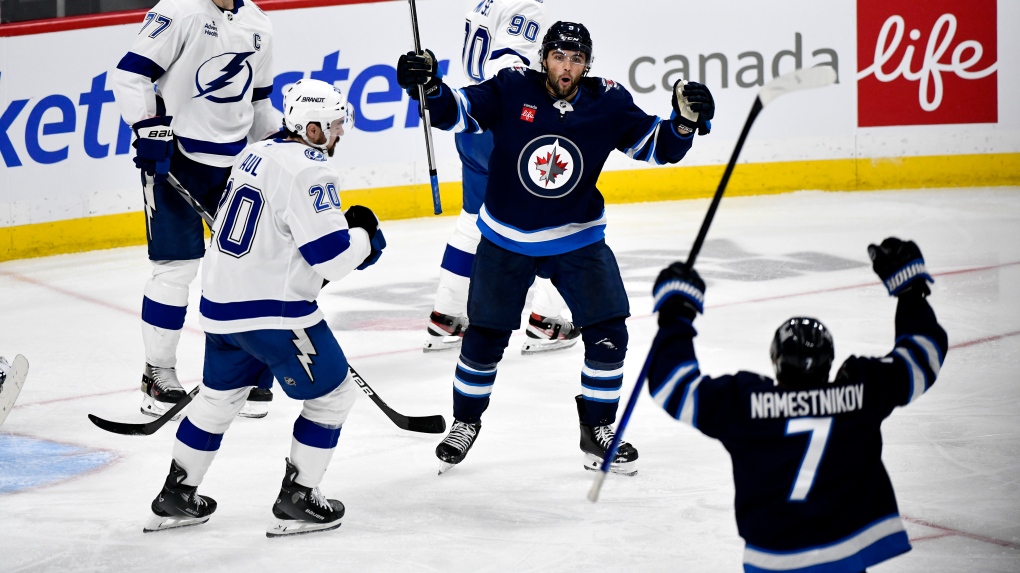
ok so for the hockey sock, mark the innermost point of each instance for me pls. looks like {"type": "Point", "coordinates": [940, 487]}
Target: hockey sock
{"type": "Point", "coordinates": [455, 271]}
{"type": "Point", "coordinates": [164, 306]}
{"type": "Point", "coordinates": [317, 430]}
{"type": "Point", "coordinates": [200, 433]}
{"type": "Point", "coordinates": [605, 347]}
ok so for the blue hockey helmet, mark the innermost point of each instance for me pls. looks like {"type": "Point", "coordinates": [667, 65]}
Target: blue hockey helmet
{"type": "Point", "coordinates": [802, 353]}
{"type": "Point", "coordinates": [568, 36]}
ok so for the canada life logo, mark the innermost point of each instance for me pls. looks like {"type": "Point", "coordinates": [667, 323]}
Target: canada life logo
{"type": "Point", "coordinates": [930, 62]}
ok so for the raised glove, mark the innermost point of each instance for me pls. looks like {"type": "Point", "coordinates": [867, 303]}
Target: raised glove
{"type": "Point", "coordinates": [415, 70]}
{"type": "Point", "coordinates": [154, 145]}
{"type": "Point", "coordinates": [362, 217]}
{"type": "Point", "coordinates": [678, 293]}
{"type": "Point", "coordinates": [693, 106]}
{"type": "Point", "coordinates": [901, 267]}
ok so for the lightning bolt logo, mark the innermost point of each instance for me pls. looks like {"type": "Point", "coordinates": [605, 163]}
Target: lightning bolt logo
{"type": "Point", "coordinates": [150, 199]}
{"type": "Point", "coordinates": [305, 351]}
{"type": "Point", "coordinates": [236, 65]}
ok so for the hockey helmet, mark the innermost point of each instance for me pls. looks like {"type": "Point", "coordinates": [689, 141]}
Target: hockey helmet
{"type": "Point", "coordinates": [568, 36]}
{"type": "Point", "coordinates": [802, 353]}
{"type": "Point", "coordinates": [309, 101]}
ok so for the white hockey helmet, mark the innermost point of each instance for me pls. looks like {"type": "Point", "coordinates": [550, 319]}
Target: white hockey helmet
{"type": "Point", "coordinates": [316, 101]}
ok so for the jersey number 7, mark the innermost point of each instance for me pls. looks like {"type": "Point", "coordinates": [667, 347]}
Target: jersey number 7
{"type": "Point", "coordinates": [819, 429]}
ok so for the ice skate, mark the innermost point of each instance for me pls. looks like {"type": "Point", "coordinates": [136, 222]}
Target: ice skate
{"type": "Point", "coordinates": [299, 509]}
{"type": "Point", "coordinates": [257, 404]}
{"type": "Point", "coordinates": [161, 390]}
{"type": "Point", "coordinates": [12, 378]}
{"type": "Point", "coordinates": [595, 440]}
{"type": "Point", "coordinates": [445, 332]}
{"type": "Point", "coordinates": [546, 333]}
{"type": "Point", "coordinates": [178, 505]}
{"type": "Point", "coordinates": [456, 444]}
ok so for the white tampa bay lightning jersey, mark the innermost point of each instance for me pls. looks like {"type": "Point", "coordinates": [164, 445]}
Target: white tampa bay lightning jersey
{"type": "Point", "coordinates": [500, 34]}
{"type": "Point", "coordinates": [278, 232]}
{"type": "Point", "coordinates": [213, 70]}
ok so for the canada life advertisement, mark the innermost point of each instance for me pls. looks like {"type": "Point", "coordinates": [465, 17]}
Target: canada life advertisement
{"type": "Point", "coordinates": [934, 78]}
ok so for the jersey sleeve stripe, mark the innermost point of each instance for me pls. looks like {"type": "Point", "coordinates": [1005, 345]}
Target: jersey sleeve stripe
{"type": "Point", "coordinates": [634, 150]}
{"type": "Point", "coordinates": [136, 64]}
{"type": "Point", "coordinates": [931, 351]}
{"type": "Point", "coordinates": [679, 374]}
{"type": "Point", "coordinates": [917, 377]}
{"type": "Point", "coordinates": [326, 248]}
{"type": "Point", "coordinates": [465, 122]}
{"type": "Point", "coordinates": [261, 93]}
{"type": "Point", "coordinates": [509, 51]}
{"type": "Point", "coordinates": [689, 406]}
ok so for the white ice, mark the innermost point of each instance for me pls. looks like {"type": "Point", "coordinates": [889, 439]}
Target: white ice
{"type": "Point", "coordinates": [517, 503]}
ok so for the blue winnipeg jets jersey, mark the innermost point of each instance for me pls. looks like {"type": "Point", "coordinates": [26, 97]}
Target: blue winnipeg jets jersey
{"type": "Point", "coordinates": [541, 197]}
{"type": "Point", "coordinates": [811, 491]}
{"type": "Point", "coordinates": [213, 71]}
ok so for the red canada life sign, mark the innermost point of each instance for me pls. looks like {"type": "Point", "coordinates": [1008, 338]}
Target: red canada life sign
{"type": "Point", "coordinates": [931, 62]}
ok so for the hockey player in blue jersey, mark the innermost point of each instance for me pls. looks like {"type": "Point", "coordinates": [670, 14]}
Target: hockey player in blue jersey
{"type": "Point", "coordinates": [195, 88]}
{"type": "Point", "coordinates": [542, 215]}
{"type": "Point", "coordinates": [812, 494]}
{"type": "Point", "coordinates": [498, 34]}
{"type": "Point", "coordinates": [279, 232]}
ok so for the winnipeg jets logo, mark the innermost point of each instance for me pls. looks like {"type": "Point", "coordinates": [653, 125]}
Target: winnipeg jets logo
{"type": "Point", "coordinates": [224, 78]}
{"type": "Point", "coordinates": [550, 166]}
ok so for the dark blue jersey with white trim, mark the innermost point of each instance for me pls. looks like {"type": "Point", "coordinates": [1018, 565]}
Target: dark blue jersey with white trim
{"type": "Point", "coordinates": [811, 490]}
{"type": "Point", "coordinates": [541, 197]}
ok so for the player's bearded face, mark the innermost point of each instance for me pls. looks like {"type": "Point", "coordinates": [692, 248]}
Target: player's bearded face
{"type": "Point", "coordinates": [336, 129]}
{"type": "Point", "coordinates": [564, 69]}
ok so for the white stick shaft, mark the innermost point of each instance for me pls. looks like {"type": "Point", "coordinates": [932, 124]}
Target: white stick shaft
{"type": "Point", "coordinates": [802, 79]}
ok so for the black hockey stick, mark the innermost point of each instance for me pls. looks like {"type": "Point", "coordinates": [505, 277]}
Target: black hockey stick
{"type": "Point", "coordinates": [802, 79]}
{"type": "Point", "coordinates": [147, 428]}
{"type": "Point", "coordinates": [424, 424]}
{"type": "Point", "coordinates": [198, 207]}
{"type": "Point", "coordinates": [423, 106]}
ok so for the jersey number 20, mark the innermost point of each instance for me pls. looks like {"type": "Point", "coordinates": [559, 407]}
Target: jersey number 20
{"type": "Point", "coordinates": [819, 429]}
{"type": "Point", "coordinates": [241, 221]}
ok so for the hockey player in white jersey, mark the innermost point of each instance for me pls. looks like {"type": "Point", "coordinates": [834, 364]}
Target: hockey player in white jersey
{"type": "Point", "coordinates": [498, 34]}
{"type": "Point", "coordinates": [194, 87]}
{"type": "Point", "coordinates": [12, 378]}
{"type": "Point", "coordinates": [279, 232]}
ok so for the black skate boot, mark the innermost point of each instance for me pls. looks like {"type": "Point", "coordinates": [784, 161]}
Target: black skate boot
{"type": "Point", "coordinates": [595, 440]}
{"type": "Point", "coordinates": [162, 390]}
{"type": "Point", "coordinates": [445, 332]}
{"type": "Point", "coordinates": [299, 509]}
{"type": "Point", "coordinates": [456, 444]}
{"type": "Point", "coordinates": [178, 505]}
{"type": "Point", "coordinates": [545, 333]}
{"type": "Point", "coordinates": [257, 404]}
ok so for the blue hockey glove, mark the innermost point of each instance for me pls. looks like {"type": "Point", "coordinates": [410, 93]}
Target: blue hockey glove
{"type": "Point", "coordinates": [693, 107]}
{"type": "Point", "coordinates": [362, 217]}
{"type": "Point", "coordinates": [678, 293]}
{"type": "Point", "coordinates": [901, 267]}
{"type": "Point", "coordinates": [154, 145]}
{"type": "Point", "coordinates": [415, 70]}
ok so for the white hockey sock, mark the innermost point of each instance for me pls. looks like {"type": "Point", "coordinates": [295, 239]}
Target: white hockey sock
{"type": "Point", "coordinates": [317, 430]}
{"type": "Point", "coordinates": [200, 433]}
{"type": "Point", "coordinates": [163, 309]}
{"type": "Point", "coordinates": [455, 272]}
{"type": "Point", "coordinates": [547, 300]}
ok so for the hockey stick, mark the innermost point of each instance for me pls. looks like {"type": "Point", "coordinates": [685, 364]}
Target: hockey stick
{"type": "Point", "coordinates": [423, 106]}
{"type": "Point", "coordinates": [198, 207]}
{"type": "Point", "coordinates": [802, 79]}
{"type": "Point", "coordinates": [425, 424]}
{"type": "Point", "coordinates": [146, 429]}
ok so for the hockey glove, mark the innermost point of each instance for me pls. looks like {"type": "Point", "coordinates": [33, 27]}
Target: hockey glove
{"type": "Point", "coordinates": [363, 218]}
{"type": "Point", "coordinates": [693, 107]}
{"type": "Point", "coordinates": [678, 293]}
{"type": "Point", "coordinates": [415, 70]}
{"type": "Point", "coordinates": [901, 267]}
{"type": "Point", "coordinates": [154, 145]}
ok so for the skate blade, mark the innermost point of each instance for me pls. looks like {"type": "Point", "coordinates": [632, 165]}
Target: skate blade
{"type": "Point", "coordinates": [285, 527]}
{"type": "Point", "coordinates": [440, 343]}
{"type": "Point", "coordinates": [536, 345]}
{"type": "Point", "coordinates": [160, 523]}
{"type": "Point", "coordinates": [150, 407]}
{"type": "Point", "coordinates": [594, 464]}
{"type": "Point", "coordinates": [254, 410]}
{"type": "Point", "coordinates": [444, 467]}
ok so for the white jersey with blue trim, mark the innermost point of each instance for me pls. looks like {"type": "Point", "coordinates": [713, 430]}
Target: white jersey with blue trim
{"type": "Point", "coordinates": [279, 231]}
{"type": "Point", "coordinates": [213, 70]}
{"type": "Point", "coordinates": [499, 34]}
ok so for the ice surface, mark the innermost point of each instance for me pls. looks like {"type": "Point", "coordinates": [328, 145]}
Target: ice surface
{"type": "Point", "coordinates": [518, 502]}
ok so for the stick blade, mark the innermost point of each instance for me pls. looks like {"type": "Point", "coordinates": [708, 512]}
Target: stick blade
{"type": "Point", "coordinates": [797, 80]}
{"type": "Point", "coordinates": [426, 424]}
{"type": "Point", "coordinates": [120, 427]}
